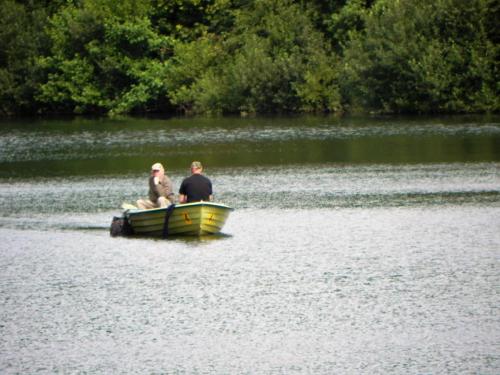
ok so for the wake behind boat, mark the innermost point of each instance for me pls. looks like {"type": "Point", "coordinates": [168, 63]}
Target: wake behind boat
{"type": "Point", "coordinates": [191, 219]}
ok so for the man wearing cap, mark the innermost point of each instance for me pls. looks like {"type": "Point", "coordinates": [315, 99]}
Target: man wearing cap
{"type": "Point", "coordinates": [196, 187]}
{"type": "Point", "coordinates": [160, 190]}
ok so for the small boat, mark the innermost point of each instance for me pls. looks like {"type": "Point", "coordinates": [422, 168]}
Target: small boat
{"type": "Point", "coordinates": [191, 219]}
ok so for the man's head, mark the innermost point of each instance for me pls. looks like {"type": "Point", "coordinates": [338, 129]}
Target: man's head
{"type": "Point", "coordinates": [157, 169]}
{"type": "Point", "coordinates": [196, 167]}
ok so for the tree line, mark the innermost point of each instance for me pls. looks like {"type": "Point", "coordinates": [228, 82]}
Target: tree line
{"type": "Point", "coordinates": [249, 56]}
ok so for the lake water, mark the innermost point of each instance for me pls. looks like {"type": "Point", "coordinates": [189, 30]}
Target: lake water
{"type": "Point", "coordinates": [357, 246]}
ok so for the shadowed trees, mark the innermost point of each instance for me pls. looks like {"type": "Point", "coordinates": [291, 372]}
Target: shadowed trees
{"type": "Point", "coordinates": [249, 56]}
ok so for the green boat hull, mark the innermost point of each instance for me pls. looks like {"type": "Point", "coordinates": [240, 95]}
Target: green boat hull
{"type": "Point", "coordinates": [190, 219]}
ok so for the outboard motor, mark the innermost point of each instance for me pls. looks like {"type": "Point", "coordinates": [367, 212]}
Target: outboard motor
{"type": "Point", "coordinates": [120, 227]}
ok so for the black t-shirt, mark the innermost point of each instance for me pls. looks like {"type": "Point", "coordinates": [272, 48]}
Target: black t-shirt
{"type": "Point", "coordinates": [197, 188]}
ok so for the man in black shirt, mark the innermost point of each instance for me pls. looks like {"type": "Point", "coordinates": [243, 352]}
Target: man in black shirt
{"type": "Point", "coordinates": [196, 187]}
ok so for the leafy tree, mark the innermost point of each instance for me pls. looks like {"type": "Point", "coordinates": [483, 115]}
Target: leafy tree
{"type": "Point", "coordinates": [190, 61]}
{"type": "Point", "coordinates": [272, 60]}
{"type": "Point", "coordinates": [348, 20]}
{"type": "Point", "coordinates": [431, 56]}
{"type": "Point", "coordinates": [230, 56]}
{"type": "Point", "coordinates": [187, 20]}
{"type": "Point", "coordinates": [336, 19]}
{"type": "Point", "coordinates": [105, 57]}
{"type": "Point", "coordinates": [21, 40]}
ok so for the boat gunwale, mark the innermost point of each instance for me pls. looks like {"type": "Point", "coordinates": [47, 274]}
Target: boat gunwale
{"type": "Point", "coordinates": [133, 212]}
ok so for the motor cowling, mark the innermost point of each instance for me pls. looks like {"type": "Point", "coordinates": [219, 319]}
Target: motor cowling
{"type": "Point", "coordinates": [120, 227]}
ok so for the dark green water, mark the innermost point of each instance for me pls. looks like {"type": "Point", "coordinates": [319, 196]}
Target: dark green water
{"type": "Point", "coordinates": [357, 246]}
{"type": "Point", "coordinates": [104, 146]}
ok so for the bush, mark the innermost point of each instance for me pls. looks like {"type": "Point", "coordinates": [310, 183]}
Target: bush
{"type": "Point", "coordinates": [431, 56]}
{"type": "Point", "coordinates": [273, 60]}
{"type": "Point", "coordinates": [106, 57]}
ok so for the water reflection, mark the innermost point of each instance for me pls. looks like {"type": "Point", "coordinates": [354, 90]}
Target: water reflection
{"type": "Point", "coordinates": [89, 147]}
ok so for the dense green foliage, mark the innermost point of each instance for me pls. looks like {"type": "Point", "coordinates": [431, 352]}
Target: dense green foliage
{"type": "Point", "coordinates": [249, 56]}
{"type": "Point", "coordinates": [430, 55]}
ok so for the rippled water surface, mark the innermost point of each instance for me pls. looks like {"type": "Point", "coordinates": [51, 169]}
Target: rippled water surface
{"type": "Point", "coordinates": [358, 246]}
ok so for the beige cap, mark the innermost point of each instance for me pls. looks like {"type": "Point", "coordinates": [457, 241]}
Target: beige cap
{"type": "Point", "coordinates": [157, 167]}
{"type": "Point", "coordinates": [196, 165]}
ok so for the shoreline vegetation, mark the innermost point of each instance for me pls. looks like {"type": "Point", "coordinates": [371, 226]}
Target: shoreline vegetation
{"type": "Point", "coordinates": [246, 57]}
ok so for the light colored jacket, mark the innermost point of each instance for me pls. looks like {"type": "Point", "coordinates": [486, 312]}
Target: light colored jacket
{"type": "Point", "coordinates": [162, 189]}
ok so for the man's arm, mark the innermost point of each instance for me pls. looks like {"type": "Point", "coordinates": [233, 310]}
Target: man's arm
{"type": "Point", "coordinates": [169, 190]}
{"type": "Point", "coordinates": [153, 189]}
{"type": "Point", "coordinates": [182, 193]}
